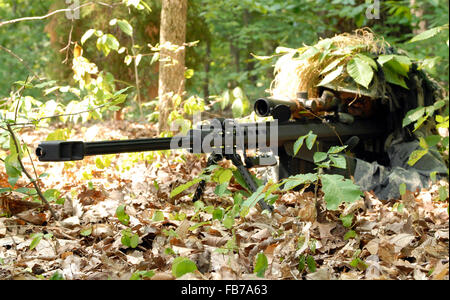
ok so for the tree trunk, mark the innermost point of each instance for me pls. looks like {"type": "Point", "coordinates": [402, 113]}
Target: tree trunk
{"type": "Point", "coordinates": [418, 11]}
{"type": "Point", "coordinates": [250, 66]}
{"type": "Point", "coordinates": [171, 73]}
{"type": "Point", "coordinates": [207, 67]}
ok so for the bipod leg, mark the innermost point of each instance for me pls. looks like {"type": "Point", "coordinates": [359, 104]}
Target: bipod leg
{"type": "Point", "coordinates": [237, 161]}
{"type": "Point", "coordinates": [213, 159]}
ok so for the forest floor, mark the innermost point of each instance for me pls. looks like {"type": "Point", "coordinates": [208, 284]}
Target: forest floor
{"type": "Point", "coordinates": [403, 239]}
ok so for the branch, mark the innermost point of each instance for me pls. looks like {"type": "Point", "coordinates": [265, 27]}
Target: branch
{"type": "Point", "coordinates": [61, 115]}
{"type": "Point", "coordinates": [21, 60]}
{"type": "Point", "coordinates": [45, 16]}
{"type": "Point", "coordinates": [34, 181]}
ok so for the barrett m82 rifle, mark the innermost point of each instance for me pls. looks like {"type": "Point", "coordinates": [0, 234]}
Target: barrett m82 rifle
{"type": "Point", "coordinates": [223, 138]}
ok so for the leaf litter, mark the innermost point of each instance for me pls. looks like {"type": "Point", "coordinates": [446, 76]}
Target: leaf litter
{"type": "Point", "coordinates": [403, 239]}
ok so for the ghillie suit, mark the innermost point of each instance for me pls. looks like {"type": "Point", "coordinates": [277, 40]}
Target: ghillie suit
{"type": "Point", "coordinates": [368, 79]}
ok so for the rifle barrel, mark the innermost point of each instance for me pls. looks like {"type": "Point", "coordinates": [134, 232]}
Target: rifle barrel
{"type": "Point", "coordinates": [239, 137]}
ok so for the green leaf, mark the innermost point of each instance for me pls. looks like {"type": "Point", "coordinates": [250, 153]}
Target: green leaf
{"type": "Point", "coordinates": [428, 34]}
{"type": "Point", "coordinates": [217, 214]}
{"type": "Point", "coordinates": [199, 205]}
{"type": "Point", "coordinates": [134, 241]}
{"type": "Point", "coordinates": [221, 189]}
{"type": "Point", "coordinates": [393, 77]}
{"type": "Point", "coordinates": [331, 76]}
{"type": "Point", "coordinates": [57, 276]}
{"type": "Point", "coordinates": [189, 73]}
{"type": "Point", "coordinates": [310, 52]}
{"type": "Point", "coordinates": [261, 265]}
{"type": "Point", "coordinates": [198, 225]}
{"type": "Point", "coordinates": [123, 217]}
{"type": "Point", "coordinates": [432, 140]}
{"type": "Point", "coordinates": [346, 220]}
{"type": "Point", "coordinates": [52, 195]}
{"type": "Point", "coordinates": [332, 65]}
{"type": "Point", "coordinates": [360, 71]}
{"type": "Point", "coordinates": [336, 149]}
{"type": "Point", "coordinates": [298, 144]}
{"type": "Point", "coordinates": [184, 187]}
{"type": "Point", "coordinates": [413, 115]}
{"type": "Point", "coordinates": [254, 198]}
{"type": "Point", "coordinates": [297, 180]}
{"type": "Point", "coordinates": [86, 231]}
{"type": "Point", "coordinates": [125, 27]}
{"type": "Point", "coordinates": [384, 58]}
{"type": "Point", "coordinates": [402, 189]}
{"type": "Point", "coordinates": [112, 42]}
{"type": "Point", "coordinates": [319, 156]}
{"type": "Point", "coordinates": [128, 59]}
{"type": "Point", "coordinates": [37, 237]}
{"type": "Point", "coordinates": [350, 234]}
{"type": "Point", "coordinates": [337, 190]}
{"type": "Point", "coordinates": [301, 263]}
{"type": "Point", "coordinates": [368, 60]}
{"type": "Point", "coordinates": [443, 193]}
{"type": "Point", "coordinates": [237, 108]}
{"type": "Point", "coordinates": [13, 169]}
{"type": "Point", "coordinates": [310, 140]}
{"type": "Point", "coordinates": [311, 263]}
{"type": "Point", "coordinates": [138, 59]}
{"type": "Point", "coordinates": [338, 161]}
{"type": "Point", "coordinates": [87, 35]}
{"type": "Point", "coordinates": [158, 216]}
{"type": "Point", "coordinates": [182, 265]}
{"type": "Point", "coordinates": [225, 176]}
{"type": "Point", "coordinates": [401, 64]}
{"type": "Point", "coordinates": [228, 221]}
{"type": "Point", "coordinates": [139, 275]}
{"type": "Point", "coordinates": [416, 156]}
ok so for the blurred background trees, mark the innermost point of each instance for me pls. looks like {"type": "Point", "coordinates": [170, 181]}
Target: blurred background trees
{"type": "Point", "coordinates": [222, 65]}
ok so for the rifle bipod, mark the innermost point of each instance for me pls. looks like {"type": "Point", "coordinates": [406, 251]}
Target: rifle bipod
{"type": "Point", "coordinates": [235, 158]}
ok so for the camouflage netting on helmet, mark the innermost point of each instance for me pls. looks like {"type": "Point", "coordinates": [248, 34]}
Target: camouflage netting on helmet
{"type": "Point", "coordinates": [361, 68]}
{"type": "Point", "coordinates": [358, 66]}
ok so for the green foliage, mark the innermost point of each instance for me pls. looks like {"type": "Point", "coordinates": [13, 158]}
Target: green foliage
{"type": "Point", "coordinates": [129, 239]}
{"type": "Point", "coordinates": [37, 237]}
{"type": "Point", "coordinates": [418, 117]}
{"type": "Point", "coordinates": [310, 140]}
{"type": "Point", "coordinates": [57, 276]}
{"type": "Point", "coordinates": [123, 217]}
{"type": "Point", "coordinates": [140, 275]}
{"type": "Point", "coordinates": [261, 265]}
{"type": "Point", "coordinates": [182, 265]}
{"type": "Point", "coordinates": [338, 190]}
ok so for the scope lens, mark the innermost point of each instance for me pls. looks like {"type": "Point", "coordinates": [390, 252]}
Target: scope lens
{"type": "Point", "coordinates": [262, 107]}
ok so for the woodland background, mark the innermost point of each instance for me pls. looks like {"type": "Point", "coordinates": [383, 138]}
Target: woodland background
{"type": "Point", "coordinates": [96, 76]}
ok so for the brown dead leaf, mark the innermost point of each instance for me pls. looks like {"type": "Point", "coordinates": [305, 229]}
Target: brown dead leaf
{"type": "Point", "coordinates": [183, 229]}
{"type": "Point", "coordinates": [325, 229]}
{"type": "Point", "coordinates": [261, 235]}
{"type": "Point", "coordinates": [386, 251]}
{"type": "Point", "coordinates": [162, 276]}
{"type": "Point", "coordinates": [440, 271]}
{"type": "Point", "coordinates": [372, 246]}
{"type": "Point", "coordinates": [402, 240]}
{"type": "Point", "coordinates": [33, 217]}
{"type": "Point", "coordinates": [90, 196]}
{"type": "Point", "coordinates": [11, 206]}
{"type": "Point", "coordinates": [66, 254]}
